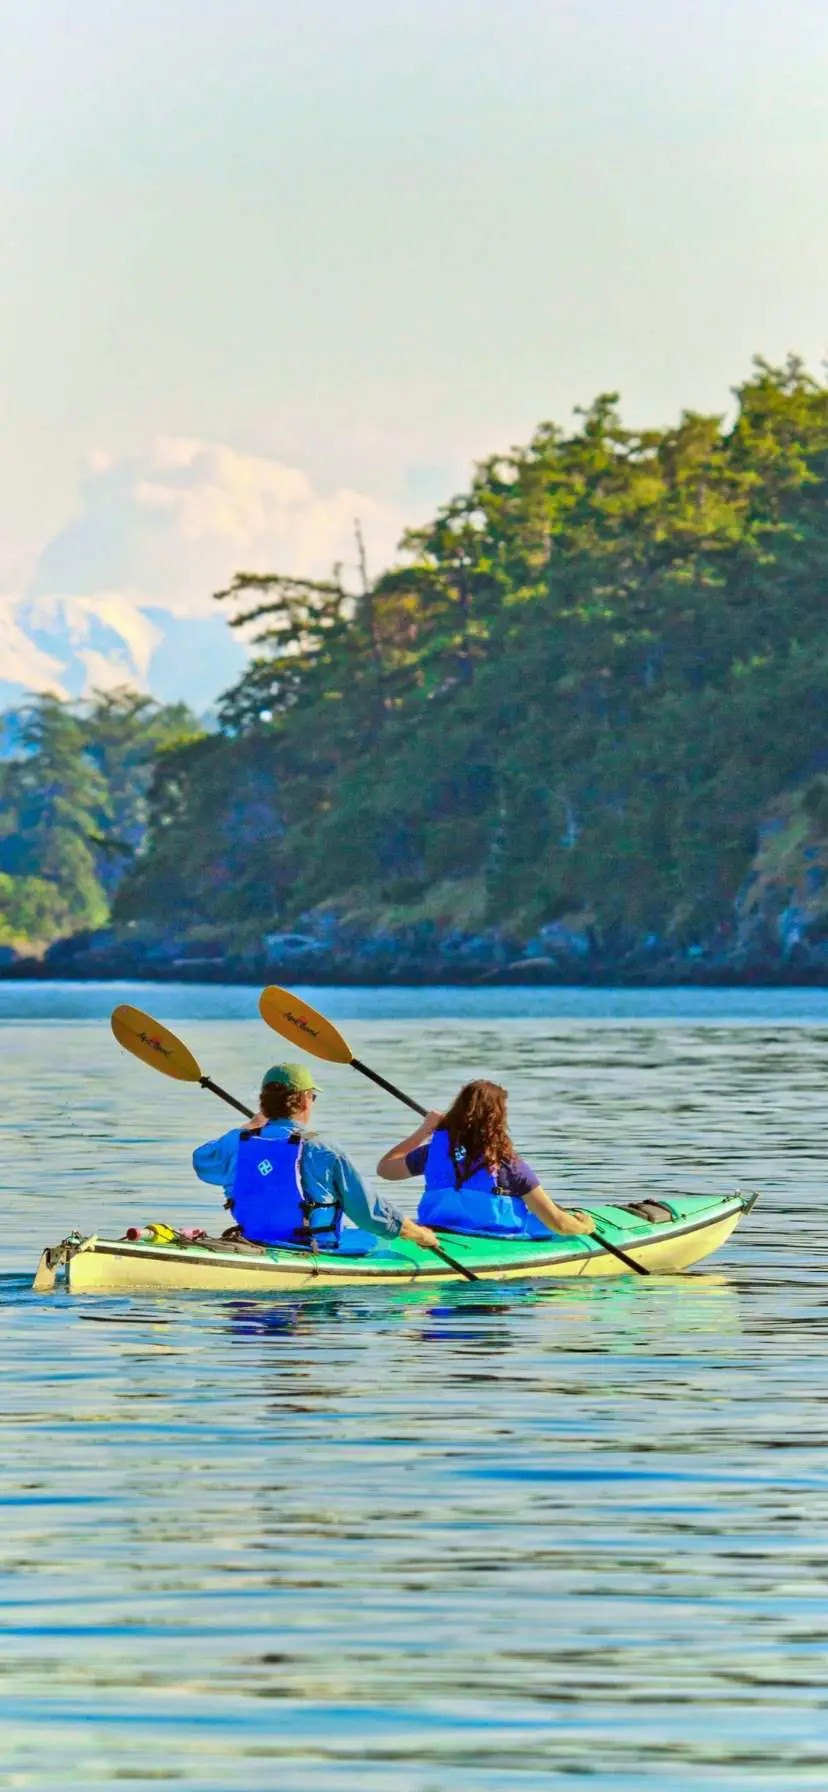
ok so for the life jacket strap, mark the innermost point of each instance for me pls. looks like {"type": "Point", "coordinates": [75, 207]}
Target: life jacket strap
{"type": "Point", "coordinates": [309, 1233]}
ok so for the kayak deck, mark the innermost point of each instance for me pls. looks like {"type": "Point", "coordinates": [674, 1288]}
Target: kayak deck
{"type": "Point", "coordinates": [692, 1227]}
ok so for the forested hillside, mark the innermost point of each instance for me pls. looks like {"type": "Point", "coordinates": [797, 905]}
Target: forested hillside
{"type": "Point", "coordinates": [590, 691]}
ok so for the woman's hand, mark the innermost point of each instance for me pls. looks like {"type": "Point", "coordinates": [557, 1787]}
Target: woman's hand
{"type": "Point", "coordinates": [421, 1235]}
{"type": "Point", "coordinates": [392, 1167]}
{"type": "Point", "coordinates": [429, 1125]}
{"type": "Point", "coordinates": [570, 1222]}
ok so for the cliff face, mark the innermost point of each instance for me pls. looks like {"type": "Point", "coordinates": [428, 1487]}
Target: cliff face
{"type": "Point", "coordinates": [781, 911]}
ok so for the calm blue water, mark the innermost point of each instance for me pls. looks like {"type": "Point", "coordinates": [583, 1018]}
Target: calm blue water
{"type": "Point", "coordinates": [495, 1539]}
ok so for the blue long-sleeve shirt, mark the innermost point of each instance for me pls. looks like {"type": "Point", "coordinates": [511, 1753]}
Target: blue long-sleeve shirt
{"type": "Point", "coordinates": [327, 1175]}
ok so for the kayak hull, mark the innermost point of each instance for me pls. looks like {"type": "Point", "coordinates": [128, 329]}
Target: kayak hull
{"type": "Point", "coordinates": [696, 1227]}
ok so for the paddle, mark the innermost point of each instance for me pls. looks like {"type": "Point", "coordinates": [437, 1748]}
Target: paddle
{"type": "Point", "coordinates": [305, 1026]}
{"type": "Point", "coordinates": [146, 1039]}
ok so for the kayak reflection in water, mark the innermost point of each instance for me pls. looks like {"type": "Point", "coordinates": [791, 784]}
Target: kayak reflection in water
{"type": "Point", "coordinates": [474, 1179]}
{"type": "Point", "coordinates": [284, 1185]}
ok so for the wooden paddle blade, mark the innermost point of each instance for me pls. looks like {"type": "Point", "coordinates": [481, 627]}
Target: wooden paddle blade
{"type": "Point", "coordinates": [302, 1025]}
{"type": "Point", "coordinates": [146, 1039]}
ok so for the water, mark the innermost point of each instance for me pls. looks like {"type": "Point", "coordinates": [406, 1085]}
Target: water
{"type": "Point", "coordinates": [419, 1542]}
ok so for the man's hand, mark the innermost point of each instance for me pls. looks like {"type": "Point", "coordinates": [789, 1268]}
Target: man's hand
{"type": "Point", "coordinates": [586, 1221]}
{"type": "Point", "coordinates": [421, 1235]}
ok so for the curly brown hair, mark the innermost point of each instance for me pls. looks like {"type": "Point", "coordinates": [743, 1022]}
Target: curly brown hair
{"type": "Point", "coordinates": [477, 1129]}
{"type": "Point", "coordinates": [278, 1102]}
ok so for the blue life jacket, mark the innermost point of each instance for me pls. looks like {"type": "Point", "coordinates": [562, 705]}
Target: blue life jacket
{"type": "Point", "coordinates": [478, 1205]}
{"type": "Point", "coordinates": [269, 1201]}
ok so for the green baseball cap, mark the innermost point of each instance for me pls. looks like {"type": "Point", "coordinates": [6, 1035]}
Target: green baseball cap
{"type": "Point", "coordinates": [291, 1076]}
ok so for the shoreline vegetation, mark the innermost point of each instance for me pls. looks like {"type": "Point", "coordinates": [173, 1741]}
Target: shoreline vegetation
{"type": "Point", "coordinates": [577, 734]}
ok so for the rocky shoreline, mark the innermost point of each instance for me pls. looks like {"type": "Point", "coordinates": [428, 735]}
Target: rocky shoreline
{"type": "Point", "coordinates": [379, 959]}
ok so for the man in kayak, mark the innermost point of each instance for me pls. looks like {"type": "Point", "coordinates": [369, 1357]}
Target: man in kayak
{"type": "Point", "coordinates": [284, 1185]}
{"type": "Point", "coordinates": [474, 1180]}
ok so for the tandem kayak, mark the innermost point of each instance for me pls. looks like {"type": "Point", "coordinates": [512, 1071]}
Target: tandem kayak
{"type": "Point", "coordinates": [662, 1235]}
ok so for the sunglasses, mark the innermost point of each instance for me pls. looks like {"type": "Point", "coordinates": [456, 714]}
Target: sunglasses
{"type": "Point", "coordinates": [311, 1092]}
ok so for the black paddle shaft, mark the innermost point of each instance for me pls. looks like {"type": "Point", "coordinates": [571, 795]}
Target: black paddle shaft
{"type": "Point", "coordinates": [390, 1087]}
{"type": "Point", "coordinates": [215, 1089]}
{"type": "Point", "coordinates": [453, 1263]}
{"type": "Point", "coordinates": [616, 1251]}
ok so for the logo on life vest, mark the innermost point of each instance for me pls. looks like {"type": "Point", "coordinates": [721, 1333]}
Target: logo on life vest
{"type": "Point", "coordinates": [265, 1167]}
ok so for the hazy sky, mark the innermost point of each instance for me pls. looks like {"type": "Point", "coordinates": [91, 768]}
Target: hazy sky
{"type": "Point", "coordinates": [373, 239]}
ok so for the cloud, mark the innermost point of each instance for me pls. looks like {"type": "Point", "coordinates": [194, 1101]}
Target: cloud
{"type": "Point", "coordinates": [77, 619]}
{"type": "Point", "coordinates": [21, 662]}
{"type": "Point", "coordinates": [155, 535]}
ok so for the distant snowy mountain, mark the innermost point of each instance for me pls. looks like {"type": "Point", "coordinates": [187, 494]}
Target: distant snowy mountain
{"type": "Point", "coordinates": [123, 594]}
{"type": "Point", "coordinates": [75, 645]}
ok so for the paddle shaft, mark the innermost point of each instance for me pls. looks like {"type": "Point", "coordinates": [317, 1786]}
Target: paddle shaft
{"type": "Point", "coordinates": [616, 1251]}
{"type": "Point", "coordinates": [215, 1089]}
{"type": "Point", "coordinates": [391, 1088]}
{"type": "Point", "coordinates": [453, 1263]}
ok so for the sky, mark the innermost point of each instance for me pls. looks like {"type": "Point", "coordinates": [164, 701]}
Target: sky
{"type": "Point", "coordinates": [267, 265]}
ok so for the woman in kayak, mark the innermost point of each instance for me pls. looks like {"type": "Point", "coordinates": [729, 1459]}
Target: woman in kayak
{"type": "Point", "coordinates": [474, 1179]}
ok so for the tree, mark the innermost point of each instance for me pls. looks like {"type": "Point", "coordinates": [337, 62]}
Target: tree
{"type": "Point", "coordinates": [73, 804]}
{"type": "Point", "coordinates": [54, 802]}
